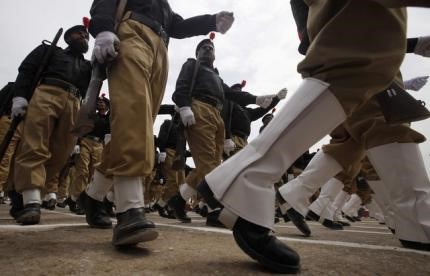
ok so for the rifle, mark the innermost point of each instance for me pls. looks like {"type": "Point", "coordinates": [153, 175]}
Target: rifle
{"type": "Point", "coordinates": [15, 121]}
{"type": "Point", "coordinates": [87, 113]}
{"type": "Point", "coordinates": [399, 107]}
{"type": "Point", "coordinates": [179, 161]}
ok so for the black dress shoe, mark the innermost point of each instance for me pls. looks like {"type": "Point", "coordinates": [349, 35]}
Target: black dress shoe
{"type": "Point", "coordinates": [259, 244]}
{"type": "Point", "coordinates": [299, 221]}
{"type": "Point", "coordinates": [30, 214]}
{"type": "Point", "coordinates": [95, 213]}
{"type": "Point", "coordinates": [62, 204]}
{"type": "Point", "coordinates": [415, 245]}
{"type": "Point", "coordinates": [108, 207]}
{"type": "Point", "coordinates": [133, 228]}
{"type": "Point", "coordinates": [344, 223]}
{"type": "Point", "coordinates": [204, 211]}
{"type": "Point", "coordinates": [49, 204]}
{"type": "Point", "coordinates": [177, 204]}
{"type": "Point", "coordinates": [312, 216]}
{"type": "Point", "coordinates": [162, 212]}
{"type": "Point", "coordinates": [333, 225]}
{"type": "Point", "coordinates": [212, 219]}
{"type": "Point", "coordinates": [16, 203]}
{"type": "Point", "coordinates": [351, 219]}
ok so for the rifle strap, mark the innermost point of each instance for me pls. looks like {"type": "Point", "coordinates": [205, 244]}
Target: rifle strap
{"type": "Point", "coordinates": [120, 10]}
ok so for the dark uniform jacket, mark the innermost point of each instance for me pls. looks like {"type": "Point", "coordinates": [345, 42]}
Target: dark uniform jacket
{"type": "Point", "coordinates": [103, 17]}
{"type": "Point", "coordinates": [101, 126]}
{"type": "Point", "coordinates": [63, 65]}
{"type": "Point", "coordinates": [168, 135]}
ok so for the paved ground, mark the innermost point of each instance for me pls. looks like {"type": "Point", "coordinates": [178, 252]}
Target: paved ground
{"type": "Point", "coordinates": [64, 245]}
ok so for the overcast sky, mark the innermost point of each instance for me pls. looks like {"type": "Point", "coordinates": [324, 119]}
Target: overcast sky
{"type": "Point", "coordinates": [260, 48]}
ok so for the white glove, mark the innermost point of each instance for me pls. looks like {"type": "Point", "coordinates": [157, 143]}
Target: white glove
{"type": "Point", "coordinates": [282, 93]}
{"type": "Point", "coordinates": [229, 146]}
{"type": "Point", "coordinates": [76, 149]}
{"type": "Point", "coordinates": [19, 106]}
{"type": "Point", "coordinates": [187, 116]}
{"type": "Point", "coordinates": [423, 46]}
{"type": "Point", "coordinates": [105, 47]}
{"type": "Point", "coordinates": [162, 157]}
{"type": "Point", "coordinates": [415, 84]}
{"type": "Point", "coordinates": [107, 138]}
{"type": "Point", "coordinates": [264, 101]}
{"type": "Point", "coordinates": [224, 20]}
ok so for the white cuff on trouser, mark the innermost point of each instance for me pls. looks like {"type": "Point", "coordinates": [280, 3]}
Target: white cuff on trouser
{"type": "Point", "coordinates": [49, 196]}
{"type": "Point", "coordinates": [382, 198]}
{"type": "Point", "coordinates": [99, 186]}
{"type": "Point", "coordinates": [351, 207]}
{"type": "Point", "coordinates": [31, 196]}
{"type": "Point", "coordinates": [187, 192]}
{"type": "Point", "coordinates": [128, 193]}
{"type": "Point", "coordinates": [322, 205]}
{"type": "Point", "coordinates": [244, 182]}
{"type": "Point", "coordinates": [319, 171]}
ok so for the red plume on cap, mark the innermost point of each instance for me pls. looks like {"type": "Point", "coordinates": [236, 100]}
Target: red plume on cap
{"type": "Point", "coordinates": [273, 110]}
{"type": "Point", "coordinates": [212, 36]}
{"type": "Point", "coordinates": [86, 22]}
{"type": "Point", "coordinates": [243, 83]}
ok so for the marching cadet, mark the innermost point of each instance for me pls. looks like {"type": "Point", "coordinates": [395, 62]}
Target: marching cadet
{"type": "Point", "coordinates": [46, 140]}
{"type": "Point", "coordinates": [339, 77]}
{"type": "Point", "coordinates": [199, 94]}
{"type": "Point", "coordinates": [89, 149]}
{"type": "Point", "coordinates": [137, 77]}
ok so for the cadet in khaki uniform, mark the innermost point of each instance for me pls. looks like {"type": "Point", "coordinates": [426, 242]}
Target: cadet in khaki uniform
{"type": "Point", "coordinates": [201, 114]}
{"type": "Point", "coordinates": [46, 140]}
{"type": "Point", "coordinates": [137, 78]}
{"type": "Point", "coordinates": [344, 68]}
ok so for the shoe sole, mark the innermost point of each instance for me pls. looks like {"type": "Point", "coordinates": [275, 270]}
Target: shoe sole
{"type": "Point", "coordinates": [29, 218]}
{"type": "Point", "coordinates": [145, 235]}
{"type": "Point", "coordinates": [262, 259]}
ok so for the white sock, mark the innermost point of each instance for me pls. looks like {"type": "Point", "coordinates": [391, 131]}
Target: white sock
{"type": "Point", "coordinates": [31, 196]}
{"type": "Point", "coordinates": [128, 193]}
{"type": "Point", "coordinates": [50, 196]}
{"type": "Point", "coordinates": [201, 204]}
{"type": "Point", "coordinates": [99, 187]}
{"type": "Point", "coordinates": [74, 198]}
{"type": "Point", "coordinates": [187, 191]}
{"type": "Point", "coordinates": [110, 196]}
{"type": "Point", "coordinates": [162, 203]}
{"type": "Point", "coordinates": [1, 194]}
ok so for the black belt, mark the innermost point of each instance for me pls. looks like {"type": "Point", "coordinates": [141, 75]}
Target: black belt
{"type": "Point", "coordinates": [64, 85]}
{"type": "Point", "coordinates": [94, 138]}
{"type": "Point", "coordinates": [152, 24]}
{"type": "Point", "coordinates": [209, 100]}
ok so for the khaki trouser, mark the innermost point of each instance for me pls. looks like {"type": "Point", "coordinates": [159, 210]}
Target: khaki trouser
{"type": "Point", "coordinates": [206, 141]}
{"type": "Point", "coordinates": [64, 183]}
{"type": "Point", "coordinates": [46, 140]}
{"type": "Point", "coordinates": [173, 178]}
{"type": "Point", "coordinates": [89, 157]}
{"type": "Point", "coordinates": [7, 158]}
{"type": "Point", "coordinates": [239, 143]}
{"type": "Point", "coordinates": [51, 185]}
{"type": "Point", "coordinates": [137, 79]}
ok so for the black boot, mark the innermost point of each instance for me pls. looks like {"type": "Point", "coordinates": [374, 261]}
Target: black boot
{"type": "Point", "coordinates": [62, 203]}
{"type": "Point", "coordinates": [30, 214]}
{"type": "Point", "coordinates": [327, 222]}
{"type": "Point", "coordinates": [212, 219]}
{"type": "Point", "coordinates": [50, 204]}
{"type": "Point", "coordinates": [162, 212]}
{"type": "Point", "coordinates": [95, 212]}
{"type": "Point", "coordinates": [177, 204]}
{"type": "Point", "coordinates": [133, 228]}
{"type": "Point", "coordinates": [415, 245]}
{"type": "Point", "coordinates": [108, 207]}
{"type": "Point", "coordinates": [299, 221]}
{"type": "Point", "coordinates": [256, 241]}
{"type": "Point", "coordinates": [16, 203]}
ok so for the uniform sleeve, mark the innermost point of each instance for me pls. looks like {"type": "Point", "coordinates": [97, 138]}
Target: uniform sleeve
{"type": "Point", "coordinates": [193, 26]}
{"type": "Point", "coordinates": [242, 98]}
{"type": "Point", "coordinates": [26, 72]}
{"type": "Point", "coordinates": [102, 16]}
{"type": "Point", "coordinates": [257, 113]}
{"type": "Point", "coordinates": [403, 3]}
{"type": "Point", "coordinates": [163, 135]}
{"type": "Point", "coordinates": [181, 97]}
{"type": "Point", "coordinates": [167, 109]}
{"type": "Point", "coordinates": [411, 44]}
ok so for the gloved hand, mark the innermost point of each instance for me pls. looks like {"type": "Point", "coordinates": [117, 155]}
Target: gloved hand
{"type": "Point", "coordinates": [229, 146]}
{"type": "Point", "coordinates": [224, 20]}
{"type": "Point", "coordinates": [187, 116]}
{"type": "Point", "coordinates": [19, 106]}
{"type": "Point", "coordinates": [415, 84]}
{"type": "Point", "coordinates": [162, 157]}
{"type": "Point", "coordinates": [423, 46]}
{"type": "Point", "coordinates": [264, 101]}
{"type": "Point", "coordinates": [282, 93]}
{"type": "Point", "coordinates": [76, 149]}
{"type": "Point", "coordinates": [105, 47]}
{"type": "Point", "coordinates": [107, 138]}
